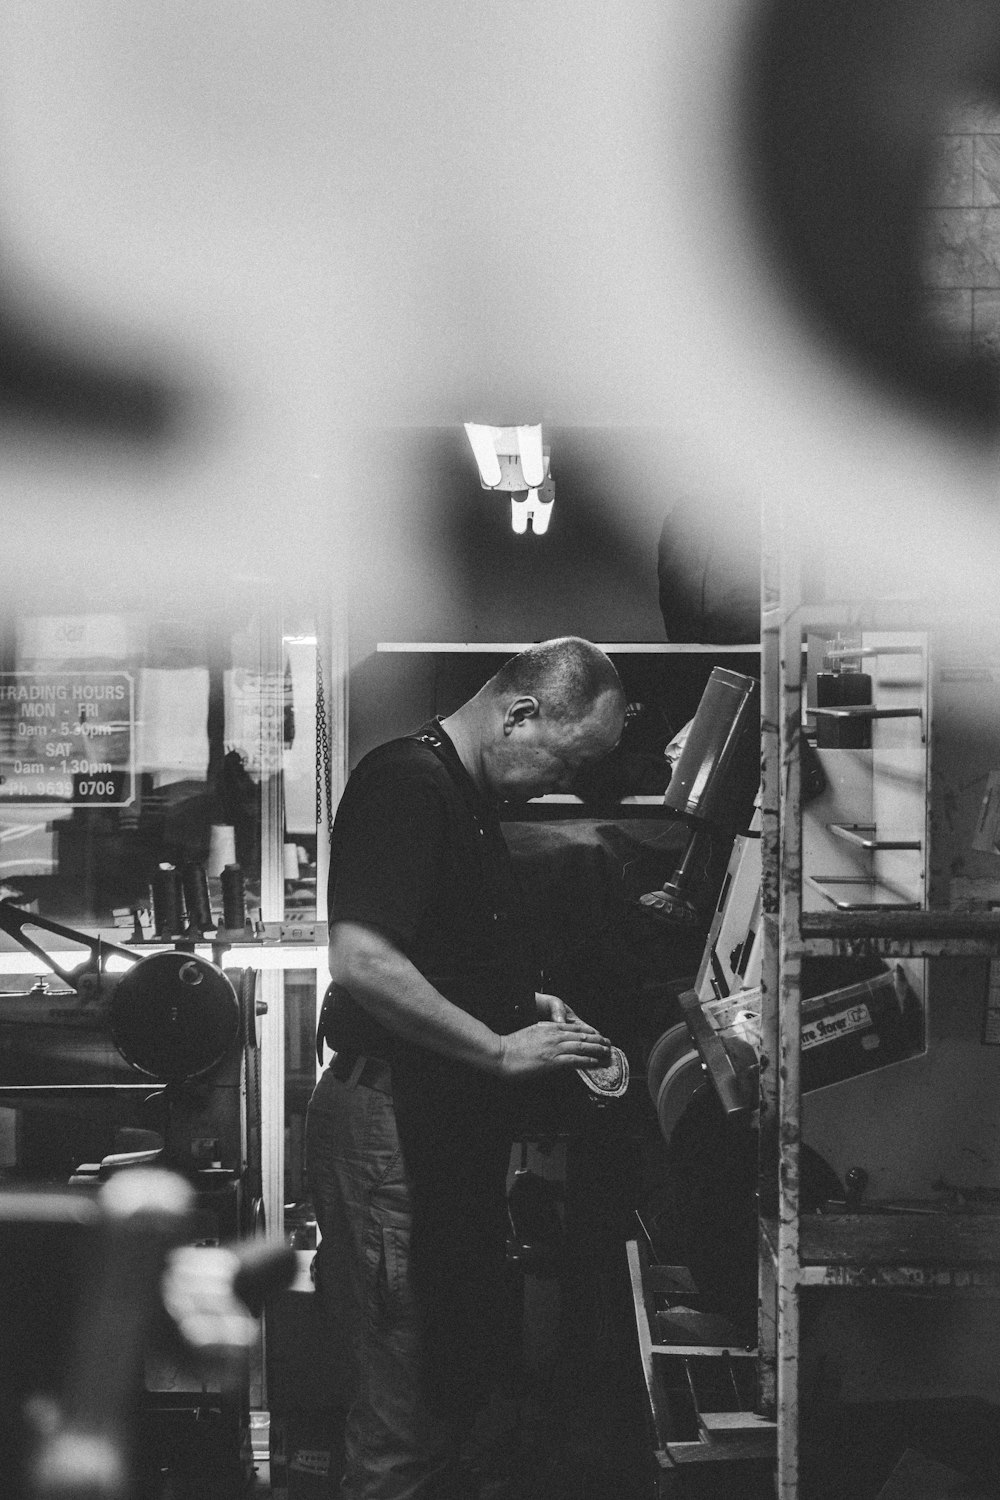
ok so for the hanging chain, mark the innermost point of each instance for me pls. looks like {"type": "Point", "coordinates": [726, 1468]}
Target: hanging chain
{"type": "Point", "coordinates": [324, 768]}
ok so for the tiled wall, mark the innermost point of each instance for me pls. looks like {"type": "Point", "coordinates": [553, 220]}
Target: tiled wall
{"type": "Point", "coordinates": [963, 239]}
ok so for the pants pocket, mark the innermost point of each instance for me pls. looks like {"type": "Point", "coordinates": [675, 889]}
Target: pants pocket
{"type": "Point", "coordinates": [396, 1263]}
{"type": "Point", "coordinates": [388, 1257]}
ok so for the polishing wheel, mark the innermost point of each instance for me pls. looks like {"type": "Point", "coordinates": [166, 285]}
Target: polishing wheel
{"type": "Point", "coordinates": [174, 1016]}
{"type": "Point", "coordinates": [683, 1081]}
{"type": "Point", "coordinates": [664, 1053]}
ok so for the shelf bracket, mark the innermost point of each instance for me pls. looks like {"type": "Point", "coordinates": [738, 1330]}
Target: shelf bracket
{"type": "Point", "coordinates": [822, 883]}
{"type": "Point", "coordinates": [865, 836]}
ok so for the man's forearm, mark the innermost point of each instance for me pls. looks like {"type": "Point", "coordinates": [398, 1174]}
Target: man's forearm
{"type": "Point", "coordinates": [386, 984]}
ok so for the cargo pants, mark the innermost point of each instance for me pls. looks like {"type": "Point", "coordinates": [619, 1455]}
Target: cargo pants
{"type": "Point", "coordinates": [396, 1447]}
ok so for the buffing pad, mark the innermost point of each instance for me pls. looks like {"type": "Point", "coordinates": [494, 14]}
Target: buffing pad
{"type": "Point", "coordinates": [611, 1081]}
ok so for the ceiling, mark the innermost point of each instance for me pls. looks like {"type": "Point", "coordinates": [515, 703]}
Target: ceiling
{"type": "Point", "coordinates": [257, 227]}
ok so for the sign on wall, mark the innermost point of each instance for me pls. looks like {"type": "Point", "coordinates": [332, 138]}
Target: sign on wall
{"type": "Point", "coordinates": [67, 737]}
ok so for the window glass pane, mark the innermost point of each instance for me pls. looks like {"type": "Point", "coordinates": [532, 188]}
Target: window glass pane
{"type": "Point", "coordinates": [299, 762]}
{"type": "Point", "coordinates": [134, 741]}
{"type": "Point", "coordinates": [300, 1077]}
{"type": "Point", "coordinates": [152, 762]}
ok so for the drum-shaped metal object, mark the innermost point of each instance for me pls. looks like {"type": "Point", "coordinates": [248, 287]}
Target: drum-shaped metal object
{"type": "Point", "coordinates": [174, 1016]}
{"type": "Point", "coordinates": [684, 1081]}
{"type": "Point", "coordinates": [665, 1051]}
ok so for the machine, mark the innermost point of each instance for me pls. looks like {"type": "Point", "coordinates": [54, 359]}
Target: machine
{"type": "Point", "coordinates": [133, 1062]}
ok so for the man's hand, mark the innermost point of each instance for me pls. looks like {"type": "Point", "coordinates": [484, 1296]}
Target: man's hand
{"type": "Point", "coordinates": [549, 1046]}
{"type": "Point", "coordinates": [551, 1008]}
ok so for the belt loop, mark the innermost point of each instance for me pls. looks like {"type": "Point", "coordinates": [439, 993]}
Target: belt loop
{"type": "Point", "coordinates": [356, 1071]}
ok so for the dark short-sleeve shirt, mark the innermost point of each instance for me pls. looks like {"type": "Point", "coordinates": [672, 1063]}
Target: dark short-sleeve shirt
{"type": "Point", "coordinates": [418, 854]}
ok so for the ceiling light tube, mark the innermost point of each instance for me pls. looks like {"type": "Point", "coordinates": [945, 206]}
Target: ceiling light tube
{"type": "Point", "coordinates": [519, 513]}
{"type": "Point", "coordinates": [483, 446]}
{"type": "Point", "coordinates": [529, 443]}
{"type": "Point", "coordinates": [540, 511]}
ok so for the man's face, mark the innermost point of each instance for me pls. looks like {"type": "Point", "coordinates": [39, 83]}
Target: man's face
{"type": "Point", "coordinates": [539, 754]}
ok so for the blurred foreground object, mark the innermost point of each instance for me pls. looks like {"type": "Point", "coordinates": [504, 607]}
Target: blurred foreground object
{"type": "Point", "coordinates": [114, 1262]}
{"type": "Point", "coordinates": [844, 104]}
{"type": "Point", "coordinates": [724, 259]}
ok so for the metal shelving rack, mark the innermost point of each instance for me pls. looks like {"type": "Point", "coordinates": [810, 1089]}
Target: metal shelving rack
{"type": "Point", "coordinates": [926, 1252]}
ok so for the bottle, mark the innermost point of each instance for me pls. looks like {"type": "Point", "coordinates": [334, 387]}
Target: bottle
{"type": "Point", "coordinates": [234, 914]}
{"type": "Point", "coordinates": [842, 684]}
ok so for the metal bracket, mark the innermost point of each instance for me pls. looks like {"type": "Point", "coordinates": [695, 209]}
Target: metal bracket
{"type": "Point", "coordinates": [13, 920]}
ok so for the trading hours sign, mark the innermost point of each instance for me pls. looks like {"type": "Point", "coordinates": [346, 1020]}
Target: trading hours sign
{"type": "Point", "coordinates": [67, 737]}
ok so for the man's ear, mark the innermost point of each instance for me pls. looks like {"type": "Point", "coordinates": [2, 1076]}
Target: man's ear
{"type": "Point", "coordinates": [519, 710]}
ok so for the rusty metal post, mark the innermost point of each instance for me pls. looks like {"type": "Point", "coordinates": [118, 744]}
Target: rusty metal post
{"type": "Point", "coordinates": [789, 1018]}
{"type": "Point", "coordinates": [767, 1139]}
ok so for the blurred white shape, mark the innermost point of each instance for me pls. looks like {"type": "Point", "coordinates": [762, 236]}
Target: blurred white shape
{"type": "Point", "coordinates": [171, 733]}
{"type": "Point", "coordinates": [509, 458]}
{"type": "Point", "coordinates": [519, 513]}
{"type": "Point", "coordinates": [292, 221]}
{"type": "Point", "coordinates": [529, 445]}
{"type": "Point", "coordinates": [482, 439]}
{"type": "Point", "coordinates": [198, 1294]}
{"type": "Point", "coordinates": [536, 507]}
{"type": "Point", "coordinates": [540, 509]}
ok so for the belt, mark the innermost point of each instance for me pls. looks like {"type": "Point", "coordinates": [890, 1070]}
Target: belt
{"type": "Point", "coordinates": [355, 1068]}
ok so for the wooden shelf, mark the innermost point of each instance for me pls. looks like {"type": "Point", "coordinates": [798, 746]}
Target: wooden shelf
{"type": "Point", "coordinates": [915, 1247]}
{"type": "Point", "coordinates": [850, 653]}
{"type": "Point", "coordinates": [896, 933]}
{"type": "Point", "coordinates": [12, 1093]}
{"type": "Point", "coordinates": [568, 799]}
{"type": "Point", "coordinates": [288, 938]}
{"type": "Point", "coordinates": [866, 836]}
{"type": "Point", "coordinates": [874, 903]}
{"type": "Point", "coordinates": [865, 711]}
{"type": "Point", "coordinates": [612, 648]}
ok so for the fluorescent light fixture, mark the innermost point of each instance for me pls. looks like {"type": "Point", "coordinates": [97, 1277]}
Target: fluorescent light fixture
{"type": "Point", "coordinates": [529, 445]}
{"type": "Point", "coordinates": [513, 459]}
{"type": "Point", "coordinates": [540, 510]}
{"type": "Point", "coordinates": [484, 447]}
{"type": "Point", "coordinates": [509, 458]}
{"type": "Point", "coordinates": [534, 507]}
